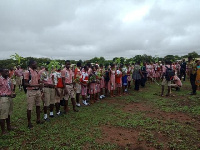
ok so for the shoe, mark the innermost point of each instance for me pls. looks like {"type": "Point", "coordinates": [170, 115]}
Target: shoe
{"type": "Point", "coordinates": [85, 103]}
{"type": "Point", "coordinates": [78, 105]}
{"type": "Point", "coordinates": [51, 116]}
{"type": "Point", "coordinates": [103, 96]}
{"type": "Point", "coordinates": [100, 97]}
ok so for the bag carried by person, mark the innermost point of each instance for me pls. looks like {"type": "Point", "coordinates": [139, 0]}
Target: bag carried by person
{"type": "Point", "coordinates": [169, 74]}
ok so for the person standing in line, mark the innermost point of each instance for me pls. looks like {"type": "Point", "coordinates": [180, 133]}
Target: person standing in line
{"type": "Point", "coordinates": [69, 86]}
{"type": "Point", "coordinates": [18, 74]}
{"type": "Point", "coordinates": [107, 79]}
{"type": "Point", "coordinates": [77, 76]}
{"type": "Point", "coordinates": [183, 70]}
{"type": "Point", "coordinates": [129, 75]}
{"type": "Point", "coordinates": [118, 78]}
{"type": "Point", "coordinates": [6, 103]}
{"type": "Point", "coordinates": [59, 89]}
{"type": "Point", "coordinates": [124, 79]}
{"type": "Point", "coordinates": [137, 75]}
{"type": "Point", "coordinates": [84, 84]}
{"type": "Point", "coordinates": [92, 85]}
{"type": "Point", "coordinates": [144, 73]}
{"type": "Point", "coordinates": [49, 92]}
{"type": "Point", "coordinates": [102, 81]}
{"type": "Point", "coordinates": [34, 89]}
{"type": "Point", "coordinates": [112, 80]}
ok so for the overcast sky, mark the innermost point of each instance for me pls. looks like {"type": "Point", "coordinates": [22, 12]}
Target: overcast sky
{"type": "Point", "coordinates": [83, 29]}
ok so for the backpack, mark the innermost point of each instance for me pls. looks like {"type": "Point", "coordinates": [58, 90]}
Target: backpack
{"type": "Point", "coordinates": [169, 74]}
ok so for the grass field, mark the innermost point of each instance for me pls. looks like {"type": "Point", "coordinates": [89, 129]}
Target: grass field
{"type": "Point", "coordinates": [139, 120]}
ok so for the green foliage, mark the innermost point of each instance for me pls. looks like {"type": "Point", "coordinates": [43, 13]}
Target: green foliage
{"type": "Point", "coordinates": [99, 60]}
{"type": "Point", "coordinates": [193, 54]}
{"type": "Point", "coordinates": [18, 58]}
{"type": "Point", "coordinates": [54, 65]}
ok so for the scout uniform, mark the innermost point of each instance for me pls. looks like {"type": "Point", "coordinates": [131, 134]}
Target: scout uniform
{"type": "Point", "coordinates": [49, 91]}
{"type": "Point", "coordinates": [18, 74]}
{"type": "Point", "coordinates": [33, 93]}
{"type": "Point", "coordinates": [6, 103]}
{"type": "Point", "coordinates": [77, 75]}
{"type": "Point", "coordinates": [68, 74]}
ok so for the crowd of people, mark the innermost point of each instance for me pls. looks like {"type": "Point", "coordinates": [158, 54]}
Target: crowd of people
{"type": "Point", "coordinates": [85, 85]}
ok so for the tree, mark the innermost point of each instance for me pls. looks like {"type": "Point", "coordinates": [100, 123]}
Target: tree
{"type": "Point", "coordinates": [169, 58]}
{"type": "Point", "coordinates": [18, 58]}
{"type": "Point", "coordinates": [193, 54]}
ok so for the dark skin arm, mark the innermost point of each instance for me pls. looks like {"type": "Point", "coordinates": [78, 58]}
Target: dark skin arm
{"type": "Point", "coordinates": [36, 85]}
{"type": "Point", "coordinates": [65, 90]}
{"type": "Point", "coordinates": [13, 95]}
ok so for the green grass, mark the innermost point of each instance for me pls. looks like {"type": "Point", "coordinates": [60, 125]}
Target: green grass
{"type": "Point", "coordinates": [81, 130]}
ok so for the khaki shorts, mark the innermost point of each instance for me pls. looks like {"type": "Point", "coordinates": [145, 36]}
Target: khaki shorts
{"type": "Point", "coordinates": [164, 82]}
{"type": "Point", "coordinates": [18, 81]}
{"type": "Point", "coordinates": [70, 92]}
{"type": "Point", "coordinates": [33, 97]}
{"type": "Point", "coordinates": [6, 107]}
{"type": "Point", "coordinates": [78, 88]}
{"type": "Point", "coordinates": [58, 98]}
{"type": "Point", "coordinates": [49, 96]}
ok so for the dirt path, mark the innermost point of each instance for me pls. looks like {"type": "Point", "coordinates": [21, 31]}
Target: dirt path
{"type": "Point", "coordinates": [124, 138]}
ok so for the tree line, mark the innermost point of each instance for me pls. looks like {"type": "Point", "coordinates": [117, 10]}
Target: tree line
{"type": "Point", "coordinates": [16, 60]}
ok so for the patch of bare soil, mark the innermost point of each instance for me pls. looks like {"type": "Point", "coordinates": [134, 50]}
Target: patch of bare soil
{"type": "Point", "coordinates": [156, 113]}
{"type": "Point", "coordinates": [115, 101]}
{"type": "Point", "coordinates": [124, 138]}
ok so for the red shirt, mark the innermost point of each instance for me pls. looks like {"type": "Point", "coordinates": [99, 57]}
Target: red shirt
{"type": "Point", "coordinates": [11, 73]}
{"type": "Point", "coordinates": [77, 73]}
{"type": "Point", "coordinates": [5, 86]}
{"type": "Point", "coordinates": [118, 77]}
{"type": "Point", "coordinates": [60, 83]}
